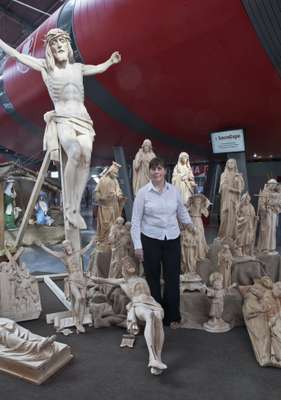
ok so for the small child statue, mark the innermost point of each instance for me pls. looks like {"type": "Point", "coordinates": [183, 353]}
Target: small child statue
{"type": "Point", "coordinates": [217, 293]}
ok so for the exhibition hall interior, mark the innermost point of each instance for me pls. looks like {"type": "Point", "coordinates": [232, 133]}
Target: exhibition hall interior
{"type": "Point", "coordinates": [140, 199]}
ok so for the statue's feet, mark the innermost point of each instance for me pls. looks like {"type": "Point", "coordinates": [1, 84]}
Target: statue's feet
{"type": "Point", "coordinates": [81, 222]}
{"type": "Point", "coordinates": [46, 342]}
{"type": "Point", "coordinates": [80, 329]}
{"type": "Point", "coordinates": [156, 371]}
{"type": "Point", "coordinates": [75, 219]}
{"type": "Point", "coordinates": [157, 364]}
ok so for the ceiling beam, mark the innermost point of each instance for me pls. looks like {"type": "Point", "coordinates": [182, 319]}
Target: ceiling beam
{"type": "Point", "coordinates": [25, 25]}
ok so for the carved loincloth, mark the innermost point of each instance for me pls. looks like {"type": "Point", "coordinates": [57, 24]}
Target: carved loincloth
{"type": "Point", "coordinates": [51, 141]}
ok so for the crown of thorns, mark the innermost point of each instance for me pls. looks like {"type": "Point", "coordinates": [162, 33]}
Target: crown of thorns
{"type": "Point", "coordinates": [55, 33]}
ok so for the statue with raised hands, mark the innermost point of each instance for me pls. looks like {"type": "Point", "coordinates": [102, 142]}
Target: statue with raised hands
{"type": "Point", "coordinates": [246, 226]}
{"type": "Point", "coordinates": [142, 307]}
{"type": "Point", "coordinates": [269, 206]}
{"type": "Point", "coordinates": [198, 205]}
{"type": "Point", "coordinates": [141, 165]}
{"type": "Point", "coordinates": [225, 260]}
{"type": "Point", "coordinates": [183, 177]}
{"type": "Point", "coordinates": [231, 186]}
{"type": "Point", "coordinates": [69, 124]}
{"type": "Point", "coordinates": [77, 281]}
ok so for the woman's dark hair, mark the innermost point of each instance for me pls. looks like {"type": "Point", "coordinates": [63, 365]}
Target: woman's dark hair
{"type": "Point", "coordinates": [157, 162]}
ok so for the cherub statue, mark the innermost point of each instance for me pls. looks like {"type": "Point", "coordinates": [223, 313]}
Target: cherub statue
{"type": "Point", "coordinates": [142, 307]}
{"type": "Point", "coordinates": [77, 281]}
{"type": "Point", "coordinates": [69, 124]}
{"type": "Point", "coordinates": [217, 293]}
{"type": "Point", "coordinates": [224, 264]}
{"type": "Point", "coordinates": [141, 165]}
{"type": "Point", "coordinates": [198, 205]}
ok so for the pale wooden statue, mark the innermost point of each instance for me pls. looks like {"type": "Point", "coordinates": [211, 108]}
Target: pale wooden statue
{"type": "Point", "coordinates": [141, 165]}
{"type": "Point", "coordinates": [29, 356]}
{"type": "Point", "coordinates": [246, 226]}
{"type": "Point", "coordinates": [189, 255]}
{"type": "Point", "coordinates": [183, 177]}
{"type": "Point", "coordinates": [224, 264]}
{"type": "Point", "coordinates": [19, 291]}
{"type": "Point", "coordinates": [269, 207]}
{"type": "Point", "coordinates": [118, 250]}
{"type": "Point", "coordinates": [127, 240]}
{"type": "Point", "coordinates": [198, 205]}
{"type": "Point", "coordinates": [262, 314]}
{"type": "Point", "coordinates": [231, 187]}
{"type": "Point", "coordinates": [144, 308]}
{"type": "Point", "coordinates": [69, 124]}
{"type": "Point", "coordinates": [110, 201]}
{"type": "Point", "coordinates": [77, 282]}
{"type": "Point", "coordinates": [217, 292]}
{"type": "Point", "coordinates": [21, 344]}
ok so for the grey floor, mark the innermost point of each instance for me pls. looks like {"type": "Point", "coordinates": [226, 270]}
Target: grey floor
{"type": "Point", "coordinates": [201, 365]}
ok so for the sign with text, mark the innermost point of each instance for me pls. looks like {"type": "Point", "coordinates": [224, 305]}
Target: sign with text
{"type": "Point", "coordinates": [228, 141]}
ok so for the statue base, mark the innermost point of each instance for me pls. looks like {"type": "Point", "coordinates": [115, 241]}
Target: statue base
{"type": "Point", "coordinates": [37, 371]}
{"type": "Point", "coordinates": [190, 282]}
{"type": "Point", "coordinates": [218, 326]}
{"type": "Point", "coordinates": [64, 319]}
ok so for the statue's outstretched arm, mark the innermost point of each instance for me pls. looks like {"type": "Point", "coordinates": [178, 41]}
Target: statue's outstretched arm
{"type": "Point", "coordinates": [86, 248]}
{"type": "Point", "coordinates": [107, 281]}
{"type": "Point", "coordinates": [32, 62]}
{"type": "Point", "coordinates": [100, 68]}
{"type": "Point", "coordinates": [56, 254]}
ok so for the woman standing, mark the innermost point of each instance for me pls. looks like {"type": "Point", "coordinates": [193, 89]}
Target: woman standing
{"type": "Point", "coordinates": [156, 236]}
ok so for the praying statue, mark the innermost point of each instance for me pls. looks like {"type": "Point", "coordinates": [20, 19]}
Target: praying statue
{"type": "Point", "coordinates": [110, 200]}
{"type": "Point", "coordinates": [142, 307]}
{"type": "Point", "coordinates": [11, 211]}
{"type": "Point", "coordinates": [269, 206]}
{"type": "Point", "coordinates": [183, 177]}
{"type": "Point", "coordinates": [69, 124]}
{"type": "Point", "coordinates": [198, 205]}
{"type": "Point", "coordinates": [225, 260]}
{"type": "Point", "coordinates": [141, 165]}
{"type": "Point", "coordinates": [231, 187]}
{"type": "Point", "coordinates": [246, 226]}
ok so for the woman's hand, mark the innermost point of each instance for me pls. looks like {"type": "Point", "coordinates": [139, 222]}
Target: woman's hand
{"type": "Point", "coordinates": [139, 254]}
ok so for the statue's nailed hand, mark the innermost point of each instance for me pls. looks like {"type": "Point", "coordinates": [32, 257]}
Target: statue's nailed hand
{"type": "Point", "coordinates": [115, 57]}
